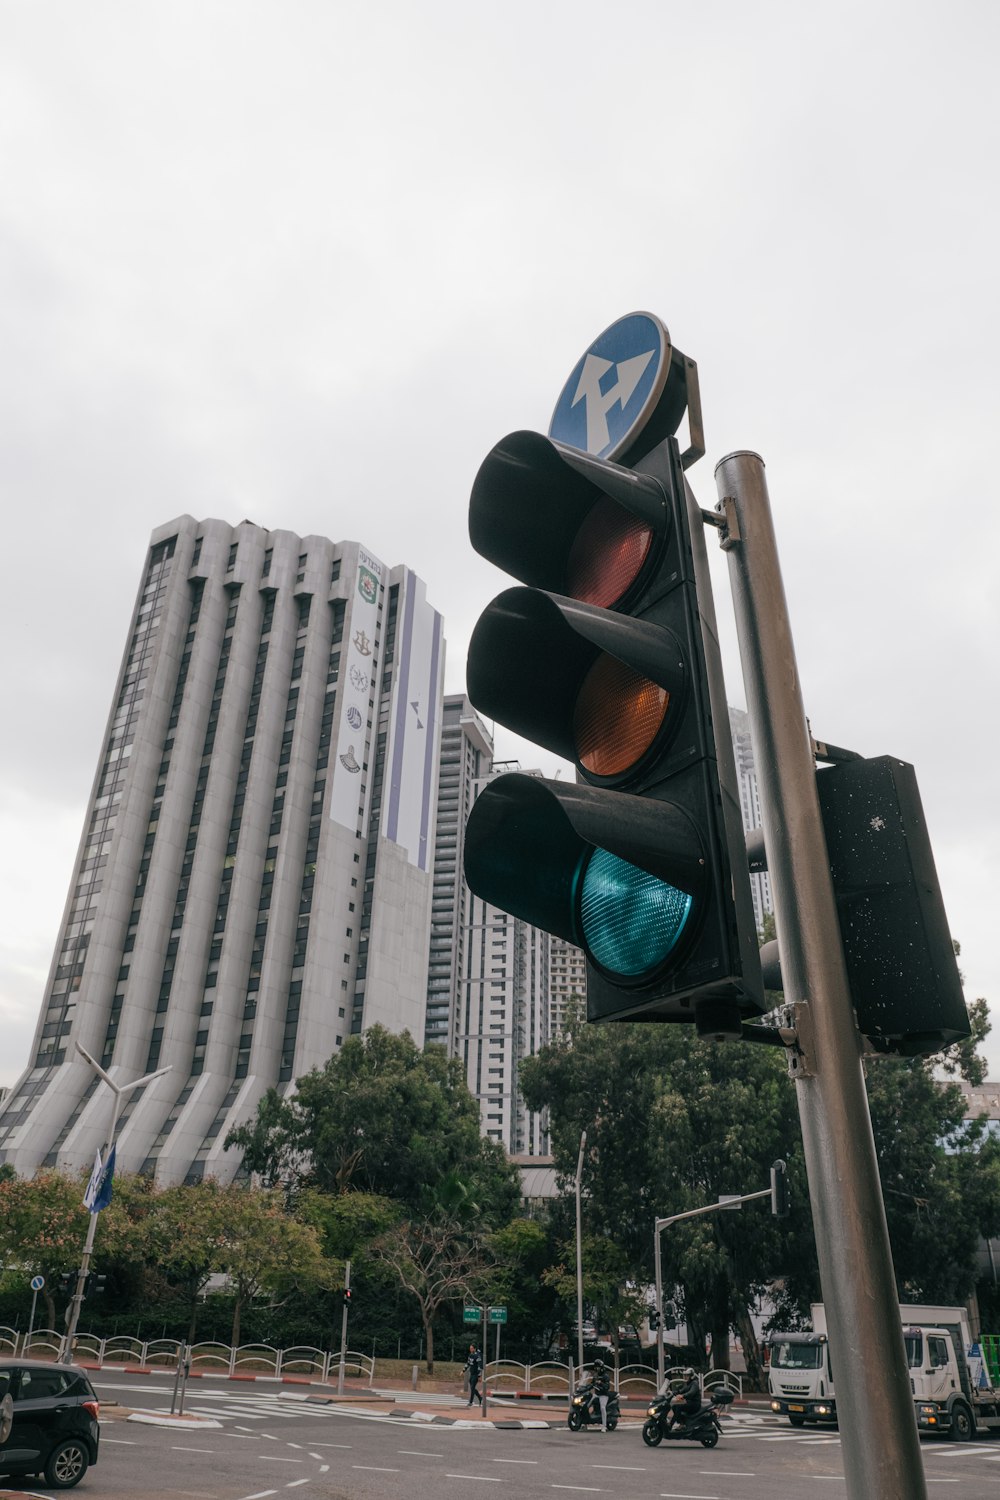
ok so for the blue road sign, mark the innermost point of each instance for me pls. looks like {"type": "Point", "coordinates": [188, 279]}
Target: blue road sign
{"type": "Point", "coordinates": [37, 1282]}
{"type": "Point", "coordinates": [614, 388]}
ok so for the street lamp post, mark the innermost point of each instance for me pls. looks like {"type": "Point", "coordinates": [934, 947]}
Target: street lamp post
{"type": "Point", "coordinates": [76, 1302]}
{"type": "Point", "coordinates": [579, 1262]}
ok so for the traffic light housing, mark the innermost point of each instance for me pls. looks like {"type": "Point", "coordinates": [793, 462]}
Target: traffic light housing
{"type": "Point", "coordinates": [608, 657]}
{"type": "Point", "coordinates": [901, 965]}
{"type": "Point", "coordinates": [67, 1280]}
{"type": "Point", "coordinates": [779, 1190]}
{"type": "Point", "coordinates": [96, 1282]}
{"type": "Point", "coordinates": [346, 1294]}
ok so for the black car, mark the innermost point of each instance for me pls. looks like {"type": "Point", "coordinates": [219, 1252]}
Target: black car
{"type": "Point", "coordinates": [48, 1421]}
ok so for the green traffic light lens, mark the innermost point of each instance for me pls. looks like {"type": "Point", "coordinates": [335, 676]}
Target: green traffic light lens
{"type": "Point", "coordinates": [631, 921]}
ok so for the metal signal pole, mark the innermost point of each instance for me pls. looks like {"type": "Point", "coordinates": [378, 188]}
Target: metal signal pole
{"type": "Point", "coordinates": [874, 1402]}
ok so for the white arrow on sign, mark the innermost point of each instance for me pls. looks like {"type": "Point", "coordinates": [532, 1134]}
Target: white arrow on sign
{"type": "Point", "coordinates": [599, 403]}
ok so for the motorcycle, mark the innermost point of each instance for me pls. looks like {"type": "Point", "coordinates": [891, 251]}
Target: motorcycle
{"type": "Point", "coordinates": [702, 1426]}
{"type": "Point", "coordinates": [585, 1410]}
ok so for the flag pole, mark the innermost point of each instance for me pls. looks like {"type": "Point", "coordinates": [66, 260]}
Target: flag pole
{"type": "Point", "coordinates": [102, 1190]}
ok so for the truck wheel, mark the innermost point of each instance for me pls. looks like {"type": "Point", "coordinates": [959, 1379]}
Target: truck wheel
{"type": "Point", "coordinates": [652, 1432]}
{"type": "Point", "coordinates": [962, 1427]}
{"type": "Point", "coordinates": [798, 1420]}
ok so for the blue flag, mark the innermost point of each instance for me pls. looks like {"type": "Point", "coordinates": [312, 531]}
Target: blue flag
{"type": "Point", "coordinates": [102, 1197]}
{"type": "Point", "coordinates": [93, 1184]}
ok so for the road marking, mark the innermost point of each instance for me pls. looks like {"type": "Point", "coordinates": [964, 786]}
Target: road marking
{"type": "Point", "coordinates": [683, 1495]}
{"type": "Point", "coordinates": [334, 1445]}
{"type": "Point", "coordinates": [293, 1482]}
{"type": "Point", "coordinates": [419, 1452]}
{"type": "Point", "coordinates": [728, 1473]}
{"type": "Point", "coordinates": [374, 1469]}
{"type": "Point", "coordinates": [588, 1489]}
{"type": "Point", "coordinates": [516, 1461]}
{"type": "Point", "coordinates": [486, 1478]}
{"type": "Point", "coordinates": [620, 1468]}
{"type": "Point", "coordinates": [177, 1448]}
{"type": "Point", "coordinates": [276, 1458]}
{"type": "Point", "coordinates": [259, 1495]}
{"type": "Point", "coordinates": [121, 1442]}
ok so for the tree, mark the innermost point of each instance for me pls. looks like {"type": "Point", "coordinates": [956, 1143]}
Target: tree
{"type": "Point", "coordinates": [940, 1174]}
{"type": "Point", "coordinates": [671, 1124]}
{"type": "Point", "coordinates": [435, 1263]}
{"type": "Point", "coordinates": [385, 1118]}
{"type": "Point", "coordinates": [261, 1247]}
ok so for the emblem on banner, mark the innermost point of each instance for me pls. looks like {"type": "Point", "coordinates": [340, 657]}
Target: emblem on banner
{"type": "Point", "coordinates": [367, 584]}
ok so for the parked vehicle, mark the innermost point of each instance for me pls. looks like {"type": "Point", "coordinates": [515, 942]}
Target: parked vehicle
{"type": "Point", "coordinates": [53, 1421]}
{"type": "Point", "coordinates": [955, 1391]}
{"type": "Point", "coordinates": [702, 1426]}
{"type": "Point", "coordinates": [585, 1411]}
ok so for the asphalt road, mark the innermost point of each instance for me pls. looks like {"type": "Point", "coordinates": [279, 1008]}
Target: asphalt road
{"type": "Point", "coordinates": [272, 1442]}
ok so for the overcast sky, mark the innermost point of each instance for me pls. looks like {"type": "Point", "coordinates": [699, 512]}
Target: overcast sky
{"type": "Point", "coordinates": [305, 261]}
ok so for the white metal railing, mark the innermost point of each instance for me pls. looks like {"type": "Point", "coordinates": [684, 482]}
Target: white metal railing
{"type": "Point", "coordinates": [302, 1359]}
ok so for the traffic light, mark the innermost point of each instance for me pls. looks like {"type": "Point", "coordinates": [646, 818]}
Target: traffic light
{"type": "Point", "coordinates": [96, 1282]}
{"type": "Point", "coordinates": [654, 1319]}
{"type": "Point", "coordinates": [900, 958]}
{"type": "Point", "coordinates": [67, 1280]}
{"type": "Point", "coordinates": [608, 657]}
{"type": "Point", "coordinates": [347, 1296]}
{"type": "Point", "coordinates": [779, 1190]}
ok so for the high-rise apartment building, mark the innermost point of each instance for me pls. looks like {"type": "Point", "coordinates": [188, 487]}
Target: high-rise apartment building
{"type": "Point", "coordinates": [567, 981]}
{"type": "Point", "coordinates": [746, 773]}
{"type": "Point", "coordinates": [253, 882]}
{"type": "Point", "coordinates": [488, 989]}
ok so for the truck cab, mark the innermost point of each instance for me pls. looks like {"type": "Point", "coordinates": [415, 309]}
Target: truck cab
{"type": "Point", "coordinates": [800, 1378]}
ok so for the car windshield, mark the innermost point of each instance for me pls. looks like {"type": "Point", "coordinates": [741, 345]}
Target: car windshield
{"type": "Point", "coordinates": [790, 1355]}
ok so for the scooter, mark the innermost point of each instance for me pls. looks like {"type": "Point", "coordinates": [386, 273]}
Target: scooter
{"type": "Point", "coordinates": [702, 1426]}
{"type": "Point", "coordinates": [585, 1410]}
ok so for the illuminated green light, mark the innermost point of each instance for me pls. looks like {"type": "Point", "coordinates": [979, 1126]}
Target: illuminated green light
{"type": "Point", "coordinates": [631, 921]}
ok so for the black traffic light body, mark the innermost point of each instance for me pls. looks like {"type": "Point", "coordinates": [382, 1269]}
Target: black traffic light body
{"type": "Point", "coordinates": [609, 658]}
{"type": "Point", "coordinates": [779, 1190]}
{"type": "Point", "coordinates": [901, 965]}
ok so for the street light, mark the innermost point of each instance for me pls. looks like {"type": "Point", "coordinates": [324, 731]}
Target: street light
{"type": "Point", "coordinates": [579, 1261]}
{"type": "Point", "coordinates": [119, 1090]}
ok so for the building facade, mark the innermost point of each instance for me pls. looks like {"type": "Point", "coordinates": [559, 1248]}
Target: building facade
{"type": "Point", "coordinates": [488, 985]}
{"type": "Point", "coordinates": [254, 878]}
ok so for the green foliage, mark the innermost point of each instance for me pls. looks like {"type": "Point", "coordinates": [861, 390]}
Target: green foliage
{"type": "Point", "coordinates": [385, 1118]}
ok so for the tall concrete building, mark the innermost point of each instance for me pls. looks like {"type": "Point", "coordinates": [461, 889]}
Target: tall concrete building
{"type": "Point", "coordinates": [746, 772]}
{"type": "Point", "coordinates": [253, 882]}
{"type": "Point", "coordinates": [567, 981]}
{"type": "Point", "coordinates": [488, 991]}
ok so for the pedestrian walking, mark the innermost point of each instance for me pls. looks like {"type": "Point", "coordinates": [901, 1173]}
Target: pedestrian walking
{"type": "Point", "coordinates": [474, 1369]}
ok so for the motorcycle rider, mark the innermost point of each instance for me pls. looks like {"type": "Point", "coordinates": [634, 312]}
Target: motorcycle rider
{"type": "Point", "coordinates": [687, 1401]}
{"type": "Point", "coordinates": [601, 1390]}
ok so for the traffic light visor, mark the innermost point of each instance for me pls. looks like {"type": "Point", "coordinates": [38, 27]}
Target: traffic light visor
{"type": "Point", "coordinates": [631, 922]}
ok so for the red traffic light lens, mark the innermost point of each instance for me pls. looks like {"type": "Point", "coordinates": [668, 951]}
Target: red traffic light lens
{"type": "Point", "coordinates": [617, 716]}
{"type": "Point", "coordinates": [608, 554]}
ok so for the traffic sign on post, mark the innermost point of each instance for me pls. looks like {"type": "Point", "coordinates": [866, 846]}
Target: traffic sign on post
{"type": "Point", "coordinates": [498, 1315]}
{"type": "Point", "coordinates": [608, 657]}
{"type": "Point", "coordinates": [472, 1315]}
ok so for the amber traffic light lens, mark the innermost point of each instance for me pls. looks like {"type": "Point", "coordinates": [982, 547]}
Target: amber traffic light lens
{"type": "Point", "coordinates": [617, 717]}
{"type": "Point", "coordinates": [608, 554]}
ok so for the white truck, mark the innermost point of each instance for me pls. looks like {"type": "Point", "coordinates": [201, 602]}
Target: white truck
{"type": "Point", "coordinates": [955, 1382]}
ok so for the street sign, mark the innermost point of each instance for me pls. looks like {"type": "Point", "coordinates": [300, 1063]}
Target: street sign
{"type": "Point", "coordinates": [614, 388]}
{"type": "Point", "coordinates": [37, 1282]}
{"type": "Point", "coordinates": [472, 1315]}
{"type": "Point", "coordinates": [498, 1315]}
